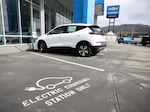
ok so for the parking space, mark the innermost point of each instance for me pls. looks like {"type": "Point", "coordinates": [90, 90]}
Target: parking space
{"type": "Point", "coordinates": [115, 80]}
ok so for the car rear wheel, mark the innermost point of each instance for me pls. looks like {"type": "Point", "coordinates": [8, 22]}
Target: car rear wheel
{"type": "Point", "coordinates": [84, 50]}
{"type": "Point", "coordinates": [42, 46]}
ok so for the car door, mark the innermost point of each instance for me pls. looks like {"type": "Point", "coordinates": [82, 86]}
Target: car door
{"type": "Point", "coordinates": [54, 37]}
{"type": "Point", "coordinates": [74, 35]}
{"type": "Point", "coordinates": [69, 37]}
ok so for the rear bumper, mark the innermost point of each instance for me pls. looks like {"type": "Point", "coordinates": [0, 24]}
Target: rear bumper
{"type": "Point", "coordinates": [96, 49]}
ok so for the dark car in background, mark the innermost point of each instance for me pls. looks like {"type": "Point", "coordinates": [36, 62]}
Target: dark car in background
{"type": "Point", "coordinates": [145, 40]}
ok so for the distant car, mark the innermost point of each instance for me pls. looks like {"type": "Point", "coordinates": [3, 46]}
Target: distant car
{"type": "Point", "coordinates": [120, 40]}
{"type": "Point", "coordinates": [145, 41]}
{"type": "Point", "coordinates": [128, 40]}
{"type": "Point", "coordinates": [86, 39]}
{"type": "Point", "coordinates": [137, 40]}
{"type": "Point", "coordinates": [125, 40]}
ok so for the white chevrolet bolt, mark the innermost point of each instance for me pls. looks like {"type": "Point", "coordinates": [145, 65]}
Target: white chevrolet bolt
{"type": "Point", "coordinates": [86, 39]}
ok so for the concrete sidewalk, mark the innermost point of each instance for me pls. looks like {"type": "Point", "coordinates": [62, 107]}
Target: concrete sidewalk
{"type": "Point", "coordinates": [8, 49]}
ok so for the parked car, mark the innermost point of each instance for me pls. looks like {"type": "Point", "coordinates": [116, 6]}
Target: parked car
{"type": "Point", "coordinates": [145, 41]}
{"type": "Point", "coordinates": [120, 40]}
{"type": "Point", "coordinates": [125, 40]}
{"type": "Point", "coordinates": [137, 40]}
{"type": "Point", "coordinates": [86, 39]}
{"type": "Point", "coordinates": [128, 40]}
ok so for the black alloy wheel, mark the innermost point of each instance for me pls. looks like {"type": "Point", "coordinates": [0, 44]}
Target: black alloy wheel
{"type": "Point", "coordinates": [42, 46]}
{"type": "Point", "coordinates": [84, 50]}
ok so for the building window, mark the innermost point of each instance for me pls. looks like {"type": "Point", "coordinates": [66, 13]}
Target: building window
{"type": "Point", "coordinates": [63, 15]}
{"type": "Point", "coordinates": [36, 21]}
{"type": "Point", "coordinates": [22, 18]}
{"type": "Point", "coordinates": [11, 21]}
{"type": "Point", "coordinates": [10, 11]}
{"type": "Point", "coordinates": [50, 14]}
{"type": "Point", "coordinates": [25, 17]}
{"type": "Point", "coordinates": [1, 28]}
{"type": "Point", "coordinates": [36, 2]}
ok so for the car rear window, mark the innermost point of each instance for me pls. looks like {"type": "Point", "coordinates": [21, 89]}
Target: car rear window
{"type": "Point", "coordinates": [95, 28]}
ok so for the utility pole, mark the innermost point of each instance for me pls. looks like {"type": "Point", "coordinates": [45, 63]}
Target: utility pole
{"type": "Point", "coordinates": [132, 34]}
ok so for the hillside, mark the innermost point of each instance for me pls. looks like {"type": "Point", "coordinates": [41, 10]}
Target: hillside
{"type": "Point", "coordinates": [130, 28]}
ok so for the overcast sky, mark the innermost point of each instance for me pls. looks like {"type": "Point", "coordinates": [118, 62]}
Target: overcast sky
{"type": "Point", "coordinates": [131, 12]}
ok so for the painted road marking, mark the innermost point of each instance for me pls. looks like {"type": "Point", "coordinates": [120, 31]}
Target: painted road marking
{"type": "Point", "coordinates": [69, 62]}
{"type": "Point", "coordinates": [49, 86]}
{"type": "Point", "coordinates": [58, 94]}
{"type": "Point", "coordinates": [139, 76]}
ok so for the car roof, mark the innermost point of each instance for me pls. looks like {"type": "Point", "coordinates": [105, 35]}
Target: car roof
{"type": "Point", "coordinates": [78, 24]}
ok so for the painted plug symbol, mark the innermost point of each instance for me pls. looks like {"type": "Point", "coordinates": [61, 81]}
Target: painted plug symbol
{"type": "Point", "coordinates": [49, 86]}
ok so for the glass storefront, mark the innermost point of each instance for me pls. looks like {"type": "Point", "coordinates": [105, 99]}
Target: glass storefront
{"type": "Point", "coordinates": [62, 15]}
{"type": "Point", "coordinates": [49, 14]}
{"type": "Point", "coordinates": [25, 8]}
{"type": "Point", "coordinates": [1, 28]}
{"type": "Point", "coordinates": [23, 19]}
{"type": "Point", "coordinates": [11, 21]}
{"type": "Point", "coordinates": [36, 21]}
{"type": "Point", "coordinates": [10, 11]}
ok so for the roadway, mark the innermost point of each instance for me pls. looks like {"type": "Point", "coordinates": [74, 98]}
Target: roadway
{"type": "Point", "coordinates": [115, 80]}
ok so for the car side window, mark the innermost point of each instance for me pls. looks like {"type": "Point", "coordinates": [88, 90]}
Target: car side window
{"type": "Point", "coordinates": [71, 29]}
{"type": "Point", "coordinates": [80, 28]}
{"type": "Point", "coordinates": [59, 30]}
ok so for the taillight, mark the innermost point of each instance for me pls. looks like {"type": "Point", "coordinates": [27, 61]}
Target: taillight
{"type": "Point", "coordinates": [95, 33]}
{"type": "Point", "coordinates": [98, 42]}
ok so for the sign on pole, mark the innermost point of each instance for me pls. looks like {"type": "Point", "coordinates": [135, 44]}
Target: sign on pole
{"type": "Point", "coordinates": [113, 11]}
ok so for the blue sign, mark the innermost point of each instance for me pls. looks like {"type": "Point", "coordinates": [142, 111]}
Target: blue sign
{"type": "Point", "coordinates": [99, 2]}
{"type": "Point", "coordinates": [113, 11]}
{"type": "Point", "coordinates": [99, 7]}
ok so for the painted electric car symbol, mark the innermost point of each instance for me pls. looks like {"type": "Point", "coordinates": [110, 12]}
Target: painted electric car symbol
{"type": "Point", "coordinates": [40, 86]}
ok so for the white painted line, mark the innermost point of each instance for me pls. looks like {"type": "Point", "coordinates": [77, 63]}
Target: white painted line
{"type": "Point", "coordinates": [139, 76]}
{"type": "Point", "coordinates": [69, 62]}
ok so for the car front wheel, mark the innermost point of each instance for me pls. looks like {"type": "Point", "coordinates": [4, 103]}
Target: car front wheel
{"type": "Point", "coordinates": [84, 50]}
{"type": "Point", "coordinates": [42, 46]}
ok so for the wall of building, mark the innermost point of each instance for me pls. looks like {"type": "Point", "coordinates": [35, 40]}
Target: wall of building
{"type": "Point", "coordinates": [84, 11]}
{"type": "Point", "coordinates": [22, 19]}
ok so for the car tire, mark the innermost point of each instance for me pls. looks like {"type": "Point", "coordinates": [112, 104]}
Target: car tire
{"type": "Point", "coordinates": [42, 47]}
{"type": "Point", "coordinates": [84, 50]}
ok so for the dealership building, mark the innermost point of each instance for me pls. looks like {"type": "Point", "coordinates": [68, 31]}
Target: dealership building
{"type": "Point", "coordinates": [20, 20]}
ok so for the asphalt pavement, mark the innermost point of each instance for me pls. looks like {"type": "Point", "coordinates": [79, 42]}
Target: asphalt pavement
{"type": "Point", "coordinates": [115, 80]}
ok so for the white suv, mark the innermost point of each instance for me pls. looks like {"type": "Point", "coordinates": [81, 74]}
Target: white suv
{"type": "Point", "coordinates": [85, 39]}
